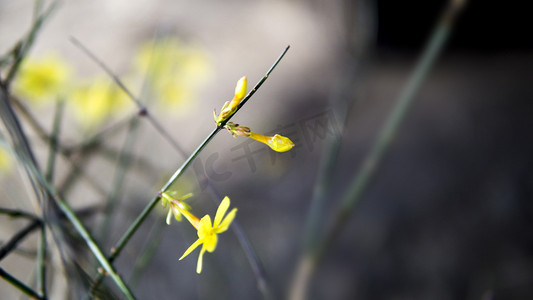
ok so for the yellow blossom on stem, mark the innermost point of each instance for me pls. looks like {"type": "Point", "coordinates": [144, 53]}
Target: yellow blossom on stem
{"type": "Point", "coordinates": [178, 208]}
{"type": "Point", "coordinates": [231, 106]}
{"type": "Point", "coordinates": [207, 233]}
{"type": "Point", "coordinates": [277, 142]}
{"type": "Point", "coordinates": [42, 79]}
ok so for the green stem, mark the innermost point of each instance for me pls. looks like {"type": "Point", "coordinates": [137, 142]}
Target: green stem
{"type": "Point", "coordinates": [26, 45]}
{"type": "Point", "coordinates": [115, 251]}
{"type": "Point", "coordinates": [142, 110]}
{"type": "Point", "coordinates": [41, 186]}
{"type": "Point", "coordinates": [64, 151]}
{"type": "Point", "coordinates": [17, 238]}
{"type": "Point", "coordinates": [140, 219]}
{"type": "Point", "coordinates": [17, 213]}
{"type": "Point", "coordinates": [52, 154]}
{"type": "Point", "coordinates": [148, 253]}
{"type": "Point", "coordinates": [123, 163]}
{"type": "Point", "coordinates": [387, 133]}
{"type": "Point", "coordinates": [142, 216]}
{"type": "Point", "coordinates": [19, 285]}
{"type": "Point", "coordinates": [41, 265]}
{"type": "Point", "coordinates": [104, 262]}
{"type": "Point", "coordinates": [352, 196]}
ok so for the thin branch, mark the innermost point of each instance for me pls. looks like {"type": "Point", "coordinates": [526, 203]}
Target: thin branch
{"type": "Point", "coordinates": [18, 238]}
{"type": "Point", "coordinates": [41, 186]}
{"type": "Point", "coordinates": [123, 163]}
{"type": "Point", "coordinates": [142, 110]}
{"type": "Point", "coordinates": [353, 195]}
{"type": "Point", "coordinates": [142, 216]}
{"type": "Point", "coordinates": [19, 285]}
{"type": "Point", "coordinates": [18, 213]}
{"type": "Point", "coordinates": [27, 43]}
{"type": "Point", "coordinates": [41, 264]}
{"type": "Point", "coordinates": [52, 154]}
{"type": "Point", "coordinates": [64, 151]}
{"type": "Point", "coordinates": [147, 253]}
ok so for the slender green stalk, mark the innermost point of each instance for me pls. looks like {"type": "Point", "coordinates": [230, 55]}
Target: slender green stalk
{"type": "Point", "coordinates": [352, 196]}
{"type": "Point", "coordinates": [41, 186]}
{"type": "Point", "coordinates": [19, 285]}
{"type": "Point", "coordinates": [115, 251]}
{"type": "Point", "coordinates": [259, 84]}
{"type": "Point", "coordinates": [52, 154]}
{"type": "Point", "coordinates": [342, 102]}
{"type": "Point", "coordinates": [123, 163]}
{"type": "Point", "coordinates": [28, 42]}
{"type": "Point", "coordinates": [143, 111]}
{"type": "Point", "coordinates": [64, 151]}
{"type": "Point", "coordinates": [95, 249]}
{"type": "Point", "coordinates": [148, 253]}
{"type": "Point", "coordinates": [257, 267]}
{"type": "Point", "coordinates": [387, 133]}
{"type": "Point", "coordinates": [18, 238]}
{"type": "Point", "coordinates": [49, 177]}
{"type": "Point", "coordinates": [140, 219]}
{"type": "Point", "coordinates": [142, 216]}
{"type": "Point", "coordinates": [41, 264]}
{"type": "Point", "coordinates": [17, 213]}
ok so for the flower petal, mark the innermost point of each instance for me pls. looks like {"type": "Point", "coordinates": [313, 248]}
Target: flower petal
{"type": "Point", "coordinates": [204, 228]}
{"type": "Point", "coordinates": [191, 248]}
{"type": "Point", "coordinates": [169, 216]}
{"type": "Point", "coordinates": [210, 242]}
{"type": "Point", "coordinates": [221, 211]}
{"type": "Point", "coordinates": [280, 143]}
{"type": "Point", "coordinates": [226, 222]}
{"type": "Point", "coordinates": [200, 258]}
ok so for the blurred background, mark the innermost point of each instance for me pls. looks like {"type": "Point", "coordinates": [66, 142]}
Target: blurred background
{"type": "Point", "coordinates": [447, 216]}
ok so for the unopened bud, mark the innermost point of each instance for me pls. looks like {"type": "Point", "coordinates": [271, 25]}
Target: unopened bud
{"type": "Point", "coordinates": [240, 89]}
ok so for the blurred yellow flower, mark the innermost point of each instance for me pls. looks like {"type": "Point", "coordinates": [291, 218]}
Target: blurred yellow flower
{"type": "Point", "coordinates": [5, 159]}
{"type": "Point", "coordinates": [93, 101]}
{"type": "Point", "coordinates": [207, 233]}
{"type": "Point", "coordinates": [42, 79]}
{"type": "Point", "coordinates": [176, 70]}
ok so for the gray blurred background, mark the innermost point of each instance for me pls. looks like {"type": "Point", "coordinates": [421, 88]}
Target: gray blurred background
{"type": "Point", "coordinates": [449, 213]}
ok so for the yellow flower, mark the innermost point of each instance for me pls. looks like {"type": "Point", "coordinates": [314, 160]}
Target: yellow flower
{"type": "Point", "coordinates": [5, 159]}
{"type": "Point", "coordinates": [207, 233]}
{"type": "Point", "coordinates": [96, 100]}
{"type": "Point", "coordinates": [175, 70]}
{"type": "Point", "coordinates": [42, 79]}
{"type": "Point", "coordinates": [231, 106]}
{"type": "Point", "coordinates": [178, 207]}
{"type": "Point", "coordinates": [277, 142]}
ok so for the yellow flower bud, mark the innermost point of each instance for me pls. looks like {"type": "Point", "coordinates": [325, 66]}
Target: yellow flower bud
{"type": "Point", "coordinates": [277, 142]}
{"type": "Point", "coordinates": [240, 89]}
{"type": "Point", "coordinates": [230, 107]}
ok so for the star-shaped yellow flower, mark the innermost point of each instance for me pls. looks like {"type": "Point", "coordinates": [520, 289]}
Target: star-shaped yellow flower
{"type": "Point", "coordinates": [207, 233]}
